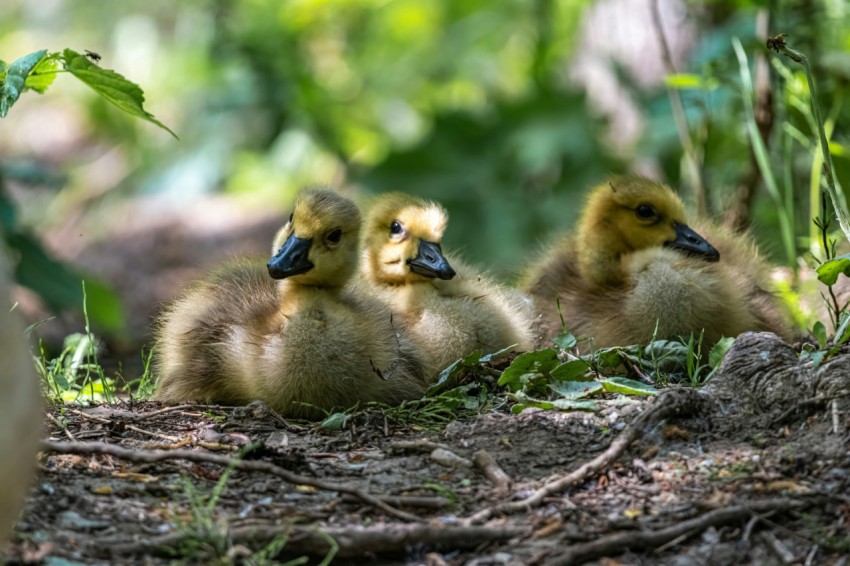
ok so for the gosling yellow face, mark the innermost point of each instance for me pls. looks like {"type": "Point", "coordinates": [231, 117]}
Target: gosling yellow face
{"type": "Point", "coordinates": [402, 240]}
{"type": "Point", "coordinates": [318, 245]}
{"type": "Point", "coordinates": [629, 214]}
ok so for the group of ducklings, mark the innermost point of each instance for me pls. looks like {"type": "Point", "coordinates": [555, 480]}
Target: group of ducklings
{"type": "Point", "coordinates": [348, 311]}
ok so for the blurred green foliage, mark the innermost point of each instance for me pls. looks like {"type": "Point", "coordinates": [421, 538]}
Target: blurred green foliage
{"type": "Point", "coordinates": [469, 102]}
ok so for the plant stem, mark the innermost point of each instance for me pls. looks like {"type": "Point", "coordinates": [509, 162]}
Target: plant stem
{"type": "Point", "coordinates": [778, 44]}
{"type": "Point", "coordinates": [761, 154]}
{"type": "Point", "coordinates": [692, 161]}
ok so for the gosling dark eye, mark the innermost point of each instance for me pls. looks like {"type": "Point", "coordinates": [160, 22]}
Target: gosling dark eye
{"type": "Point", "coordinates": [645, 212]}
{"type": "Point", "coordinates": [334, 236]}
{"type": "Point", "coordinates": [395, 228]}
{"type": "Point", "coordinates": [290, 218]}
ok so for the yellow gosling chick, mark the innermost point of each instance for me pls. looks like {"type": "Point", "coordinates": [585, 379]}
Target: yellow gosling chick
{"type": "Point", "coordinates": [450, 310]}
{"type": "Point", "coordinates": [634, 265]}
{"type": "Point", "coordinates": [304, 343]}
{"type": "Point", "coordinates": [20, 411]}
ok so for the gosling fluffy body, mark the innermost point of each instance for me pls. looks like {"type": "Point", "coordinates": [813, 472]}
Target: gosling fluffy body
{"type": "Point", "coordinates": [449, 309]}
{"type": "Point", "coordinates": [304, 344]}
{"type": "Point", "coordinates": [634, 269]}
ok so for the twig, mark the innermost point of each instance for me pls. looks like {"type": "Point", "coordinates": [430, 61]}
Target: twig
{"type": "Point", "coordinates": [353, 541]}
{"type": "Point", "coordinates": [491, 469]}
{"type": "Point", "coordinates": [450, 459]}
{"type": "Point", "coordinates": [836, 421]}
{"type": "Point", "coordinates": [143, 416]}
{"type": "Point", "coordinates": [679, 116]}
{"type": "Point", "coordinates": [61, 426]}
{"type": "Point", "coordinates": [417, 446]}
{"type": "Point", "coordinates": [779, 549]}
{"type": "Point", "coordinates": [637, 540]}
{"type": "Point", "coordinates": [422, 502]}
{"type": "Point", "coordinates": [670, 403]}
{"type": "Point", "coordinates": [197, 456]}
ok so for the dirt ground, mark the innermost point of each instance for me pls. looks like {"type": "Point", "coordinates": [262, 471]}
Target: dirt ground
{"type": "Point", "coordinates": [712, 479]}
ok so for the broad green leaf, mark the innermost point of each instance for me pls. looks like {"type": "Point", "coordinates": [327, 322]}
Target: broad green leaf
{"type": "Point", "coordinates": [15, 80]}
{"type": "Point", "coordinates": [609, 357]}
{"type": "Point", "coordinates": [124, 94]}
{"type": "Point", "coordinates": [572, 370]}
{"type": "Point", "coordinates": [829, 271]}
{"type": "Point", "coordinates": [819, 331]}
{"type": "Point", "coordinates": [60, 287]}
{"type": "Point", "coordinates": [841, 333]}
{"type": "Point", "coordinates": [336, 421]}
{"type": "Point", "coordinates": [627, 386]}
{"type": "Point", "coordinates": [446, 378]}
{"type": "Point", "coordinates": [565, 341]}
{"type": "Point", "coordinates": [577, 405]}
{"type": "Point", "coordinates": [43, 74]}
{"type": "Point", "coordinates": [540, 361]}
{"type": "Point", "coordinates": [576, 389]}
{"type": "Point", "coordinates": [719, 350]}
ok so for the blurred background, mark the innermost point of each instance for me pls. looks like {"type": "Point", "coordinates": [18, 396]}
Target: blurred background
{"type": "Point", "coordinates": [505, 111]}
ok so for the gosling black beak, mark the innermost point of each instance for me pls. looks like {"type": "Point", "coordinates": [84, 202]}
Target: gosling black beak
{"type": "Point", "coordinates": [430, 262]}
{"type": "Point", "coordinates": [291, 259]}
{"type": "Point", "coordinates": [693, 244]}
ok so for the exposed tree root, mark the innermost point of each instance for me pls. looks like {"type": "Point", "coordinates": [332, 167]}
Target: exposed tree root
{"type": "Point", "coordinates": [617, 543]}
{"type": "Point", "coordinates": [352, 541]}
{"type": "Point", "coordinates": [148, 456]}
{"type": "Point", "coordinates": [669, 404]}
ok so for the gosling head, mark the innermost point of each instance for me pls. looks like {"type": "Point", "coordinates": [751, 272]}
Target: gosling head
{"type": "Point", "coordinates": [402, 241]}
{"type": "Point", "coordinates": [629, 214]}
{"type": "Point", "coordinates": [318, 245]}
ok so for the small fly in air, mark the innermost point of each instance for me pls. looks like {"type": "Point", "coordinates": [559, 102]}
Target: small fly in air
{"type": "Point", "coordinates": [94, 57]}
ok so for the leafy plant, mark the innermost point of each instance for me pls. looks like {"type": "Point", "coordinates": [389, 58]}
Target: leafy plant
{"type": "Point", "coordinates": [36, 72]}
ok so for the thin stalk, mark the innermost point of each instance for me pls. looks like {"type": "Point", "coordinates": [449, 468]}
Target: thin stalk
{"type": "Point", "coordinates": [692, 160]}
{"type": "Point", "coordinates": [760, 151]}
{"type": "Point", "coordinates": [778, 44]}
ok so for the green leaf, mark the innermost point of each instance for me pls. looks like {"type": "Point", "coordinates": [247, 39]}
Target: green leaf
{"type": "Point", "coordinates": [572, 370]}
{"type": "Point", "coordinates": [43, 74]}
{"type": "Point", "coordinates": [682, 81]}
{"type": "Point", "coordinates": [627, 386]}
{"type": "Point", "coordinates": [819, 331]}
{"type": "Point", "coordinates": [565, 341]}
{"type": "Point", "coordinates": [829, 271]}
{"type": "Point", "coordinates": [538, 362]}
{"type": "Point", "coordinates": [498, 355]}
{"type": "Point", "coordinates": [15, 80]}
{"type": "Point", "coordinates": [60, 287]}
{"type": "Point", "coordinates": [447, 377]}
{"type": "Point", "coordinates": [335, 421]}
{"type": "Point", "coordinates": [124, 94]}
{"type": "Point", "coordinates": [576, 389]}
{"type": "Point", "coordinates": [609, 357]}
{"type": "Point", "coordinates": [719, 350]}
{"type": "Point", "coordinates": [525, 402]}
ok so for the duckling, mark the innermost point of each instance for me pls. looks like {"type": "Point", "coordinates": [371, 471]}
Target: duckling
{"type": "Point", "coordinates": [634, 269]}
{"type": "Point", "coordinates": [450, 309]}
{"type": "Point", "coordinates": [20, 412]}
{"type": "Point", "coordinates": [290, 333]}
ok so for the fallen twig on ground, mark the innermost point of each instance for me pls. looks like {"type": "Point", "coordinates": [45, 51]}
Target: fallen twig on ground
{"type": "Point", "coordinates": [198, 456]}
{"type": "Point", "coordinates": [670, 403]}
{"type": "Point", "coordinates": [618, 543]}
{"type": "Point", "coordinates": [354, 541]}
{"type": "Point", "coordinates": [491, 469]}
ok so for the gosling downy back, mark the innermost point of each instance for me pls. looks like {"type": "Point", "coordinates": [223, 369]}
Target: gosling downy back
{"type": "Point", "coordinates": [449, 308]}
{"type": "Point", "coordinates": [634, 269]}
{"type": "Point", "coordinates": [289, 332]}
